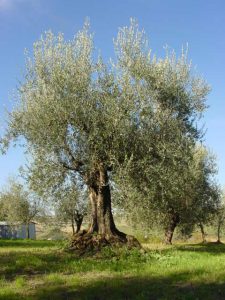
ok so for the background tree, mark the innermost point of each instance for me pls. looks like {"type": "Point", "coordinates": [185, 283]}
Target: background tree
{"type": "Point", "coordinates": [205, 192]}
{"type": "Point", "coordinates": [19, 205]}
{"type": "Point", "coordinates": [61, 190]}
{"type": "Point", "coordinates": [197, 197]}
{"type": "Point", "coordinates": [72, 207]}
{"type": "Point", "coordinates": [172, 100]}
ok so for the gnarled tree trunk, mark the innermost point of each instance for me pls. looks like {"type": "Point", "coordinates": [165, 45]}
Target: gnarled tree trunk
{"type": "Point", "coordinates": [102, 221]}
{"type": "Point", "coordinates": [105, 221]}
{"type": "Point", "coordinates": [174, 220]}
{"type": "Point", "coordinates": [102, 230]}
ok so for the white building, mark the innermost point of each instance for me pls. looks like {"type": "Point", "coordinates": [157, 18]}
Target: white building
{"type": "Point", "coordinates": [17, 231]}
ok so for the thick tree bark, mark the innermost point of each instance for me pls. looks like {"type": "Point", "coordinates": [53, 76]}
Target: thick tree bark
{"type": "Point", "coordinates": [102, 221]}
{"type": "Point", "coordinates": [102, 231]}
{"type": "Point", "coordinates": [106, 225]}
{"type": "Point", "coordinates": [202, 232]}
{"type": "Point", "coordinates": [93, 195]}
{"type": "Point", "coordinates": [174, 220]}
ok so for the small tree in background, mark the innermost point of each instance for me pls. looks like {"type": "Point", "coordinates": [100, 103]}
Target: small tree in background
{"type": "Point", "coordinates": [19, 205]}
{"type": "Point", "coordinates": [194, 187]}
{"type": "Point", "coordinates": [205, 192]}
{"type": "Point", "coordinates": [72, 207]}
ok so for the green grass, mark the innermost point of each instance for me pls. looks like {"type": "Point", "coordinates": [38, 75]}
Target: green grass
{"type": "Point", "coordinates": [42, 270]}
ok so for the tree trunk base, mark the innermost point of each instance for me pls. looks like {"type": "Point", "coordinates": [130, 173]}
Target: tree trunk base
{"type": "Point", "coordinates": [218, 242]}
{"type": "Point", "coordinates": [84, 242]}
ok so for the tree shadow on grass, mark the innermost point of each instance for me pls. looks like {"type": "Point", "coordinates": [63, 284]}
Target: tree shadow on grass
{"type": "Point", "coordinates": [26, 243]}
{"type": "Point", "coordinates": [33, 263]}
{"type": "Point", "coordinates": [37, 263]}
{"type": "Point", "coordinates": [176, 286]}
{"type": "Point", "coordinates": [136, 288]}
{"type": "Point", "coordinates": [132, 288]}
{"type": "Point", "coordinates": [212, 248]}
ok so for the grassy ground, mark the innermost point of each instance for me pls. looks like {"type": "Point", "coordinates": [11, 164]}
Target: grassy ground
{"type": "Point", "coordinates": [42, 270]}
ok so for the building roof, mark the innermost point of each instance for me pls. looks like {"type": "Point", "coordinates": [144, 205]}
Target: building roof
{"type": "Point", "coordinates": [8, 223]}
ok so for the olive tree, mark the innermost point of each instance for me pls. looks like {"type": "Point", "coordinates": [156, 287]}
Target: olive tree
{"type": "Point", "coordinates": [172, 100]}
{"type": "Point", "coordinates": [195, 191]}
{"type": "Point", "coordinates": [76, 113]}
{"type": "Point", "coordinates": [95, 119]}
{"type": "Point", "coordinates": [205, 192]}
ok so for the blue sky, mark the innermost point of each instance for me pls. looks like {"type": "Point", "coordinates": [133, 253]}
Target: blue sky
{"type": "Point", "coordinates": [200, 23]}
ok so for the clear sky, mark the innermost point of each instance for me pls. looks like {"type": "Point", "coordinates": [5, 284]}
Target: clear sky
{"type": "Point", "coordinates": [200, 23]}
